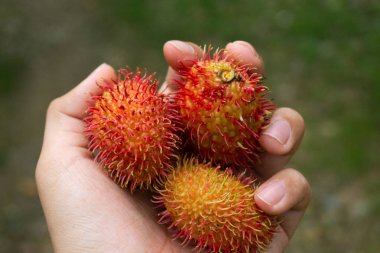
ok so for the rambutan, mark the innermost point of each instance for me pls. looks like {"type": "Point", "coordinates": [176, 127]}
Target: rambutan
{"type": "Point", "coordinates": [214, 208]}
{"type": "Point", "coordinates": [132, 129]}
{"type": "Point", "coordinates": [224, 108]}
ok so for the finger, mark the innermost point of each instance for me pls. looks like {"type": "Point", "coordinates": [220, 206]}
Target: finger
{"type": "Point", "coordinates": [170, 81]}
{"type": "Point", "coordinates": [280, 241]}
{"type": "Point", "coordinates": [178, 54]}
{"type": "Point", "coordinates": [286, 193]}
{"type": "Point", "coordinates": [245, 54]}
{"type": "Point", "coordinates": [75, 102]}
{"type": "Point", "coordinates": [65, 113]}
{"type": "Point", "coordinates": [280, 140]}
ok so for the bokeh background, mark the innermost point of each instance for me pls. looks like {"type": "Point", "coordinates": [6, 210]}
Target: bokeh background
{"type": "Point", "coordinates": [322, 58]}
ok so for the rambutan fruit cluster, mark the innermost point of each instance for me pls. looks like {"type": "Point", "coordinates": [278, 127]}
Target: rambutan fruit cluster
{"type": "Point", "coordinates": [218, 113]}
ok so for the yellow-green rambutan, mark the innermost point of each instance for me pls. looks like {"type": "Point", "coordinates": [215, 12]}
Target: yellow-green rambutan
{"type": "Point", "coordinates": [214, 208]}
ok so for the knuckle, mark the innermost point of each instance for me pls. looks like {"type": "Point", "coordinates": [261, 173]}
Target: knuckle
{"type": "Point", "coordinates": [292, 115]}
{"type": "Point", "coordinates": [305, 187]}
{"type": "Point", "coordinates": [298, 118]}
{"type": "Point", "coordinates": [297, 124]}
{"type": "Point", "coordinates": [301, 186]}
{"type": "Point", "coordinates": [54, 106]}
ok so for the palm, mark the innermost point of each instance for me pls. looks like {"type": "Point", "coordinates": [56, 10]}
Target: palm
{"type": "Point", "coordinates": [112, 212]}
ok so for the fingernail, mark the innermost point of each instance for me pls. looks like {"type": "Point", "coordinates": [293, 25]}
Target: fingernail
{"type": "Point", "coordinates": [279, 130]}
{"type": "Point", "coordinates": [273, 192]}
{"type": "Point", "coordinates": [182, 46]}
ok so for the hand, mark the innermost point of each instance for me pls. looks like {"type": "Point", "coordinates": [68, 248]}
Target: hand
{"type": "Point", "coordinates": [86, 211]}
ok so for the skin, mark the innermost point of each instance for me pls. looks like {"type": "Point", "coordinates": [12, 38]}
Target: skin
{"type": "Point", "coordinates": [86, 211]}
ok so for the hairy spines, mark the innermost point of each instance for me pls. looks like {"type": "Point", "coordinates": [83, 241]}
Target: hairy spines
{"type": "Point", "coordinates": [224, 109]}
{"type": "Point", "coordinates": [214, 208]}
{"type": "Point", "coordinates": [132, 130]}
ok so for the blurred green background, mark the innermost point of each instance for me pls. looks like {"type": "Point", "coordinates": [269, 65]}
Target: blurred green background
{"type": "Point", "coordinates": [321, 57]}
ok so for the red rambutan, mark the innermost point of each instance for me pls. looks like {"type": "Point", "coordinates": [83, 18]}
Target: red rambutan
{"type": "Point", "coordinates": [132, 130]}
{"type": "Point", "coordinates": [224, 109]}
{"type": "Point", "coordinates": [214, 208]}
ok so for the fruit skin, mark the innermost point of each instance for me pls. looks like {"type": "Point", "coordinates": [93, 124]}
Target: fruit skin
{"type": "Point", "coordinates": [214, 208]}
{"type": "Point", "coordinates": [132, 130]}
{"type": "Point", "coordinates": [224, 109]}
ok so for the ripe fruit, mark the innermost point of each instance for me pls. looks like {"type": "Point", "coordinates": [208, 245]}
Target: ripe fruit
{"type": "Point", "coordinates": [224, 109]}
{"type": "Point", "coordinates": [132, 130]}
{"type": "Point", "coordinates": [215, 208]}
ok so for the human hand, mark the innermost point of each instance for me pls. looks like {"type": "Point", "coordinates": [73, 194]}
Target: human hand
{"type": "Point", "coordinates": [86, 211]}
